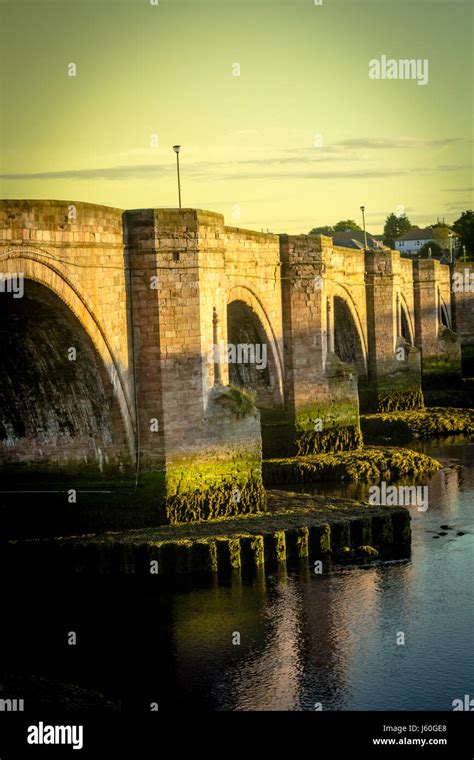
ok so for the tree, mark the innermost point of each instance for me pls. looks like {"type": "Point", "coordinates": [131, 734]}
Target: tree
{"type": "Point", "coordinates": [395, 227]}
{"type": "Point", "coordinates": [437, 250]}
{"type": "Point", "coordinates": [464, 227]}
{"type": "Point", "coordinates": [347, 224]}
{"type": "Point", "coordinates": [327, 230]}
{"type": "Point", "coordinates": [441, 233]}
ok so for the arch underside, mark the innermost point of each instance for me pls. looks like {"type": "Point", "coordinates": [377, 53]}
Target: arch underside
{"type": "Point", "coordinates": [406, 324]}
{"type": "Point", "coordinates": [260, 372]}
{"type": "Point", "coordinates": [347, 339]}
{"type": "Point", "coordinates": [57, 402]}
{"type": "Point", "coordinates": [445, 316]}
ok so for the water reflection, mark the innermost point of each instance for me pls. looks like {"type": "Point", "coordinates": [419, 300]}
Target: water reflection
{"type": "Point", "coordinates": [305, 639]}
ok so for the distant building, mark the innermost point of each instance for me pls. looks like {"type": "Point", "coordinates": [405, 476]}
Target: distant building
{"type": "Point", "coordinates": [412, 241]}
{"type": "Point", "coordinates": [355, 239]}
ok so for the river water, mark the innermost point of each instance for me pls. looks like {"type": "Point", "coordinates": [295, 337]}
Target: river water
{"type": "Point", "coordinates": [306, 640]}
{"type": "Point", "coordinates": [331, 640]}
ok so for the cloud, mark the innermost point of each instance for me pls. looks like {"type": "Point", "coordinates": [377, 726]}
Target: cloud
{"type": "Point", "coordinates": [106, 172]}
{"type": "Point", "coordinates": [399, 142]}
{"type": "Point", "coordinates": [346, 173]}
{"type": "Point", "coordinates": [459, 205]}
{"type": "Point", "coordinates": [459, 189]}
{"type": "Point", "coordinates": [302, 166]}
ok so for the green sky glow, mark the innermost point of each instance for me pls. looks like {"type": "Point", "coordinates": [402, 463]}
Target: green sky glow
{"type": "Point", "coordinates": [247, 141]}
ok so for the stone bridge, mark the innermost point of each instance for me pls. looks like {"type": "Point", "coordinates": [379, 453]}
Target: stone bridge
{"type": "Point", "coordinates": [109, 321]}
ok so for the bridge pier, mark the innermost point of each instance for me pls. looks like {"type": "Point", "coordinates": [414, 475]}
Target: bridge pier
{"type": "Point", "coordinates": [199, 444]}
{"type": "Point", "coordinates": [394, 379]}
{"type": "Point", "coordinates": [440, 347]}
{"type": "Point", "coordinates": [320, 389]}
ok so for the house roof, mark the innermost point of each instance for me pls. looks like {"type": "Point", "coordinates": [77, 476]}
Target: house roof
{"type": "Point", "coordinates": [354, 239]}
{"type": "Point", "coordinates": [424, 234]}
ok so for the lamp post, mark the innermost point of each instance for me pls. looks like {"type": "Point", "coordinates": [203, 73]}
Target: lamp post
{"type": "Point", "coordinates": [362, 208]}
{"type": "Point", "coordinates": [176, 149]}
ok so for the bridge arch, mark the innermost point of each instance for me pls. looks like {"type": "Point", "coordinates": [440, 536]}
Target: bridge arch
{"type": "Point", "coordinates": [80, 407]}
{"type": "Point", "coordinates": [246, 316]}
{"type": "Point", "coordinates": [349, 339]}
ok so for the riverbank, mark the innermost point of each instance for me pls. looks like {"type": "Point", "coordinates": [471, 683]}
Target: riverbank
{"type": "Point", "coordinates": [296, 527]}
{"type": "Point", "coordinates": [424, 424]}
{"type": "Point", "coordinates": [368, 463]}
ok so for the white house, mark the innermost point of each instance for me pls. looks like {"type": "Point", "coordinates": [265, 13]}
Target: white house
{"type": "Point", "coordinates": [412, 241]}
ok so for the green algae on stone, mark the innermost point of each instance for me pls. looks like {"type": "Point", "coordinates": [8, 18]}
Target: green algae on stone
{"type": "Point", "coordinates": [205, 556]}
{"type": "Point", "coordinates": [314, 529]}
{"type": "Point", "coordinates": [228, 553]}
{"type": "Point", "coordinates": [252, 550]}
{"type": "Point", "coordinates": [367, 464]}
{"type": "Point", "coordinates": [320, 540]}
{"type": "Point", "coordinates": [367, 551]}
{"type": "Point", "coordinates": [275, 546]}
{"type": "Point", "coordinates": [302, 542]}
{"type": "Point", "coordinates": [335, 439]}
{"type": "Point", "coordinates": [216, 502]}
{"type": "Point", "coordinates": [240, 401]}
{"type": "Point", "coordinates": [298, 542]}
{"type": "Point", "coordinates": [401, 427]}
{"type": "Point", "coordinates": [404, 400]}
{"type": "Point", "coordinates": [397, 391]}
{"type": "Point", "coordinates": [279, 545]}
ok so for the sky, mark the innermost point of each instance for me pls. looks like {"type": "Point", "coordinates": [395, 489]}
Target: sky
{"type": "Point", "coordinates": [301, 137]}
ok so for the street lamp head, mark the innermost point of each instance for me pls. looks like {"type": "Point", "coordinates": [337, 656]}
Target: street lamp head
{"type": "Point", "coordinates": [362, 208]}
{"type": "Point", "coordinates": [176, 148]}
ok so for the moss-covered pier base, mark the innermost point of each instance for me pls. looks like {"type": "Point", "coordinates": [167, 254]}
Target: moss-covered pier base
{"type": "Point", "coordinates": [298, 528]}
{"type": "Point", "coordinates": [423, 424]}
{"type": "Point", "coordinates": [370, 463]}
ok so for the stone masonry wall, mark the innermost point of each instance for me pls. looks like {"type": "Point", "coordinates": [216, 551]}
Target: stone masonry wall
{"type": "Point", "coordinates": [76, 251]}
{"type": "Point", "coordinates": [462, 290]}
{"type": "Point", "coordinates": [206, 452]}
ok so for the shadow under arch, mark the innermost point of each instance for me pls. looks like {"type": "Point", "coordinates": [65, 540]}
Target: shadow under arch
{"type": "Point", "coordinates": [444, 315]}
{"type": "Point", "coordinates": [406, 325]}
{"type": "Point", "coordinates": [348, 339]}
{"type": "Point", "coordinates": [258, 368]}
{"type": "Point", "coordinates": [57, 409]}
